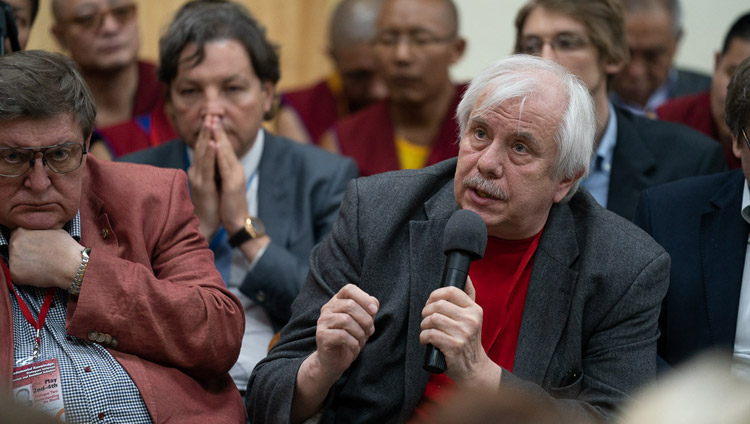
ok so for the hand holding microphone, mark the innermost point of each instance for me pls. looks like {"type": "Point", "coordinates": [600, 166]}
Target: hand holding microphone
{"type": "Point", "coordinates": [464, 240]}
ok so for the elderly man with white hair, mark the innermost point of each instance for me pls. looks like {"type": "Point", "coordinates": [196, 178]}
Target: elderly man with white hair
{"type": "Point", "coordinates": [564, 304]}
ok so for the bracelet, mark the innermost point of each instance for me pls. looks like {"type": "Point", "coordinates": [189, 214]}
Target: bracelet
{"type": "Point", "coordinates": [75, 287]}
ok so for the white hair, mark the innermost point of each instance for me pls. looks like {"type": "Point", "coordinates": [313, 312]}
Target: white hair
{"type": "Point", "coordinates": [517, 77]}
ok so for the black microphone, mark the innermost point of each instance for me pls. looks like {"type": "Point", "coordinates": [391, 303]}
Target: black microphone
{"type": "Point", "coordinates": [464, 240]}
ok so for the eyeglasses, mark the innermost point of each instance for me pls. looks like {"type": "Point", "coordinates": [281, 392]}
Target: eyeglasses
{"type": "Point", "coordinates": [94, 19]}
{"type": "Point", "coordinates": [560, 43]}
{"type": "Point", "coordinates": [418, 40]}
{"type": "Point", "coordinates": [60, 158]}
{"type": "Point", "coordinates": [746, 140]}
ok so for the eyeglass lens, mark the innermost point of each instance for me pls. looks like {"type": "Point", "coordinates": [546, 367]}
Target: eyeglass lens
{"type": "Point", "coordinates": [61, 159]}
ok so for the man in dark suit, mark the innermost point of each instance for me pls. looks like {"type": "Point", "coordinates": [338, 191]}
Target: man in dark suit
{"type": "Point", "coordinates": [564, 304]}
{"type": "Point", "coordinates": [632, 153]}
{"type": "Point", "coordinates": [263, 201]}
{"type": "Point", "coordinates": [650, 78]}
{"type": "Point", "coordinates": [703, 223]}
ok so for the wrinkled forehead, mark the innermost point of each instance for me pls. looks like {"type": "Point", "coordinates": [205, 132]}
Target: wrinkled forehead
{"type": "Point", "coordinates": [539, 94]}
{"type": "Point", "coordinates": [40, 132]}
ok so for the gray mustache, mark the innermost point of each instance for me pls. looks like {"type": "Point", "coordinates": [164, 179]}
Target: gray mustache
{"type": "Point", "coordinates": [476, 182]}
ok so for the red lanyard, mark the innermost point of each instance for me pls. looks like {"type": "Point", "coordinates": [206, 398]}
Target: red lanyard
{"type": "Point", "coordinates": [36, 323]}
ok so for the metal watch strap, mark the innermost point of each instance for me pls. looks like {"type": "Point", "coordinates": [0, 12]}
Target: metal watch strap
{"type": "Point", "coordinates": [75, 286]}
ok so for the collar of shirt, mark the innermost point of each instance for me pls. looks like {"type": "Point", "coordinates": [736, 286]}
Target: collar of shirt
{"type": "Point", "coordinates": [746, 203]}
{"type": "Point", "coordinates": [597, 180]}
{"type": "Point", "coordinates": [73, 227]}
{"type": "Point", "coordinates": [606, 149]}
{"type": "Point", "coordinates": [250, 163]}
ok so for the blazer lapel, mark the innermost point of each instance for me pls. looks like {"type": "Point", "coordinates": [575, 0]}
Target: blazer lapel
{"type": "Point", "coordinates": [274, 190]}
{"type": "Point", "coordinates": [426, 260]}
{"type": "Point", "coordinates": [723, 241]}
{"type": "Point", "coordinates": [550, 293]}
{"type": "Point", "coordinates": [632, 163]}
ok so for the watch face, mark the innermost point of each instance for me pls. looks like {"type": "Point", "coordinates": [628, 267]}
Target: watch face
{"type": "Point", "coordinates": [256, 227]}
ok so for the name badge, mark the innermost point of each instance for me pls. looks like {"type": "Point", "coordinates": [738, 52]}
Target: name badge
{"type": "Point", "coordinates": [38, 385]}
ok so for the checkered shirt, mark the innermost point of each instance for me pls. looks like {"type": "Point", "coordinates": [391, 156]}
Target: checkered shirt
{"type": "Point", "coordinates": [95, 386]}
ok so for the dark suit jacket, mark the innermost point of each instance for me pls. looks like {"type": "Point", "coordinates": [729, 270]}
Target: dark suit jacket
{"type": "Point", "coordinates": [698, 222]}
{"type": "Point", "coordinates": [650, 152]}
{"type": "Point", "coordinates": [151, 284]}
{"type": "Point", "coordinates": [589, 327]}
{"type": "Point", "coordinates": [689, 82]}
{"type": "Point", "coordinates": [298, 199]}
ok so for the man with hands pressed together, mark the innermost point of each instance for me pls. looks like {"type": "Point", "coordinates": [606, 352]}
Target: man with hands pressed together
{"type": "Point", "coordinates": [263, 201]}
{"type": "Point", "coordinates": [564, 304]}
{"type": "Point", "coordinates": [111, 290]}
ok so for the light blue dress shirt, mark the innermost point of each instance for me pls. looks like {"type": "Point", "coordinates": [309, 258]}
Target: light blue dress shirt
{"type": "Point", "coordinates": [597, 182]}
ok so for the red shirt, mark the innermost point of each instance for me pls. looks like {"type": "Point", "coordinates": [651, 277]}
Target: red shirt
{"type": "Point", "coordinates": [501, 280]}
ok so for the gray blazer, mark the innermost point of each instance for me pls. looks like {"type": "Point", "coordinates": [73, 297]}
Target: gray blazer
{"type": "Point", "coordinates": [298, 199]}
{"type": "Point", "coordinates": [589, 327]}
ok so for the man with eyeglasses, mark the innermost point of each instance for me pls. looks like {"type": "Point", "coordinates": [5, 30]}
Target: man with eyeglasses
{"type": "Point", "coordinates": [651, 78]}
{"type": "Point", "coordinates": [114, 311]}
{"type": "Point", "coordinates": [416, 43]}
{"type": "Point", "coordinates": [632, 153]}
{"type": "Point", "coordinates": [703, 224]}
{"type": "Point", "coordinates": [102, 38]}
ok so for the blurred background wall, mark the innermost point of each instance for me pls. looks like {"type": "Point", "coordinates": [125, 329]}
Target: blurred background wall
{"type": "Point", "coordinates": [299, 27]}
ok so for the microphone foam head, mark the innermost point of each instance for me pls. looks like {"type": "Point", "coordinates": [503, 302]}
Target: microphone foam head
{"type": "Point", "coordinates": [465, 231]}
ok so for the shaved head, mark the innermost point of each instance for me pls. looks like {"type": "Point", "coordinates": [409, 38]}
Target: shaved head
{"type": "Point", "coordinates": [353, 22]}
{"type": "Point", "coordinates": [447, 7]}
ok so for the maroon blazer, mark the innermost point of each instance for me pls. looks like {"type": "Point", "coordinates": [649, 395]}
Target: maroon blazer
{"type": "Point", "coordinates": [151, 283]}
{"type": "Point", "coordinates": [368, 137]}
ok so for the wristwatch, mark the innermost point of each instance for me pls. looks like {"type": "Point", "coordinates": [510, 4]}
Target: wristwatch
{"type": "Point", "coordinates": [253, 229]}
{"type": "Point", "coordinates": [75, 286]}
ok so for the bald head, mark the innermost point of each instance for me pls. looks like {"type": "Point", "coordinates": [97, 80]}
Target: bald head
{"type": "Point", "coordinates": [444, 10]}
{"type": "Point", "coordinates": [353, 22]}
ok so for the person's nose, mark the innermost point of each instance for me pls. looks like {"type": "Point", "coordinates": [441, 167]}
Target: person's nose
{"type": "Point", "coordinates": [636, 68]}
{"type": "Point", "coordinates": [548, 52]}
{"type": "Point", "coordinates": [492, 161]}
{"type": "Point", "coordinates": [403, 50]}
{"type": "Point", "coordinates": [108, 23]}
{"type": "Point", "coordinates": [213, 103]}
{"type": "Point", "coordinates": [37, 179]}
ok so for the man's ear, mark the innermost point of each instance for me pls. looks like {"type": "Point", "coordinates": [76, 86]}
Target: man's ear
{"type": "Point", "coordinates": [564, 187]}
{"type": "Point", "coordinates": [736, 147]}
{"type": "Point", "coordinates": [717, 60]}
{"type": "Point", "coordinates": [459, 48]}
{"type": "Point", "coordinates": [268, 90]}
{"type": "Point", "coordinates": [613, 68]}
